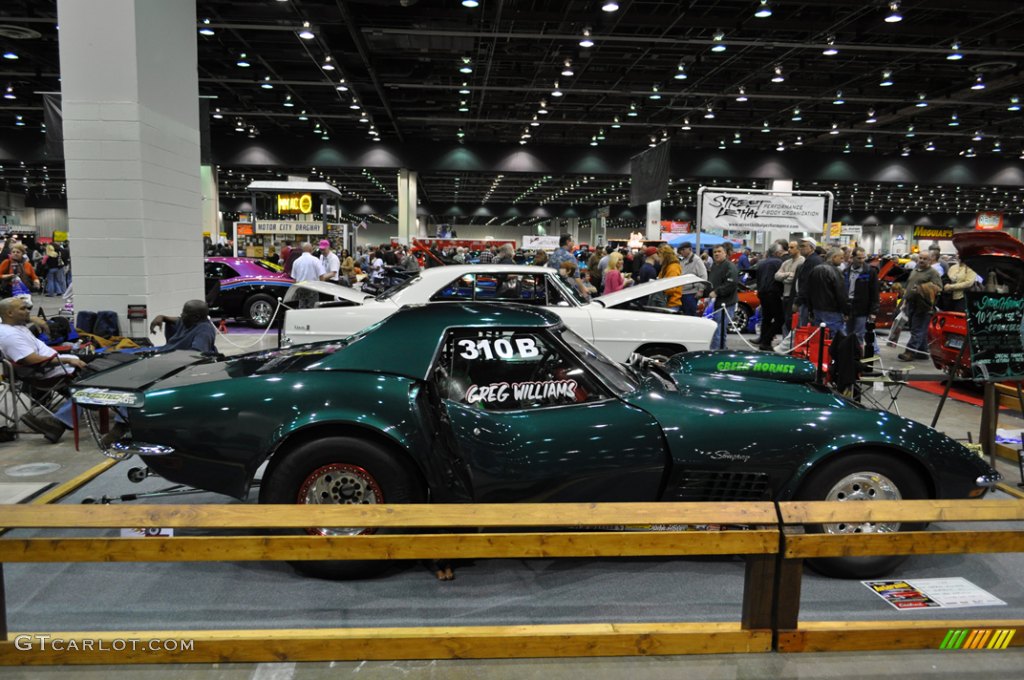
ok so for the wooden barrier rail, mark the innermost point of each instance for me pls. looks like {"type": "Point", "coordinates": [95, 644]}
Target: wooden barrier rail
{"type": "Point", "coordinates": [846, 635]}
{"type": "Point", "coordinates": [752, 633]}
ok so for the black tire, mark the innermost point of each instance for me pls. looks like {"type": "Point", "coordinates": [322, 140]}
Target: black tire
{"type": "Point", "coordinates": [868, 476]}
{"type": "Point", "coordinates": [259, 310]}
{"type": "Point", "coordinates": [340, 470]}
{"type": "Point", "coordinates": [661, 353]}
{"type": "Point", "coordinates": [741, 319]}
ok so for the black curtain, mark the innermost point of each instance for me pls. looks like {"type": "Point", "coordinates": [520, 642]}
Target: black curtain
{"type": "Point", "coordinates": [205, 155]}
{"type": "Point", "coordinates": [649, 173]}
{"type": "Point", "coordinates": [53, 116]}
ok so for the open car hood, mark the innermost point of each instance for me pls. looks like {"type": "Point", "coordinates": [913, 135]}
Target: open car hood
{"type": "Point", "coordinates": [690, 283]}
{"type": "Point", "coordinates": [993, 251]}
{"type": "Point", "coordinates": [327, 288]}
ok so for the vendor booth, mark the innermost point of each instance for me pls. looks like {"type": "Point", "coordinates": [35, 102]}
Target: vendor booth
{"type": "Point", "coordinates": [291, 211]}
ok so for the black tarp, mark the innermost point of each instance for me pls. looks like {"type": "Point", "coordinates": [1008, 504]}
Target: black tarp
{"type": "Point", "coordinates": [649, 173]}
{"type": "Point", "coordinates": [53, 116]}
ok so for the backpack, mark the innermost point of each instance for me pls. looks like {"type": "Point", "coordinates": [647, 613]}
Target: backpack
{"type": "Point", "coordinates": [107, 324]}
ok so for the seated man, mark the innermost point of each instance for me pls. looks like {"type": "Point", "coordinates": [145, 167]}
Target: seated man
{"type": "Point", "coordinates": [35, 361]}
{"type": "Point", "coordinates": [190, 331]}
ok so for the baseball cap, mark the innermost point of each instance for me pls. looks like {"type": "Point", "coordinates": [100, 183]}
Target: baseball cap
{"type": "Point", "coordinates": [650, 250]}
{"type": "Point", "coordinates": [809, 241]}
{"type": "Point", "coordinates": [325, 243]}
{"type": "Point", "coordinates": [686, 244]}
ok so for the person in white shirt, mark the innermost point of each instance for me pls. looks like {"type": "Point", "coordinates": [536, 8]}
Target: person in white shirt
{"type": "Point", "coordinates": [307, 267]}
{"type": "Point", "coordinates": [330, 262]}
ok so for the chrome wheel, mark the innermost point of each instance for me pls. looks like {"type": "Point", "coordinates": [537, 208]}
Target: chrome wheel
{"type": "Point", "coordinates": [339, 484]}
{"type": "Point", "coordinates": [261, 312]}
{"type": "Point", "coordinates": [863, 486]}
{"type": "Point", "coordinates": [740, 319]}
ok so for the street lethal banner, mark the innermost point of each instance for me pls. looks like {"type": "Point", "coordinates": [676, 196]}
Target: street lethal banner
{"type": "Point", "coordinates": [760, 212]}
{"type": "Point", "coordinates": [994, 329]}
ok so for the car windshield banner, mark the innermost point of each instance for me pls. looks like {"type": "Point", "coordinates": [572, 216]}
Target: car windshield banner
{"type": "Point", "coordinates": [759, 212]}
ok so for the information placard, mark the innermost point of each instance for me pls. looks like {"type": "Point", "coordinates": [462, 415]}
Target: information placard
{"type": "Point", "coordinates": [994, 332]}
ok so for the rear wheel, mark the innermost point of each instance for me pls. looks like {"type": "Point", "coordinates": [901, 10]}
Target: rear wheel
{"type": "Point", "coordinates": [660, 353]}
{"type": "Point", "coordinates": [259, 309]}
{"type": "Point", "coordinates": [340, 471]}
{"type": "Point", "coordinates": [740, 319]}
{"type": "Point", "coordinates": [862, 477]}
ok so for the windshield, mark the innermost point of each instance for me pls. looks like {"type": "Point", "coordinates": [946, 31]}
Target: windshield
{"type": "Point", "coordinates": [391, 292]}
{"type": "Point", "coordinates": [269, 266]}
{"type": "Point", "coordinates": [614, 375]}
{"type": "Point", "coordinates": [569, 291]}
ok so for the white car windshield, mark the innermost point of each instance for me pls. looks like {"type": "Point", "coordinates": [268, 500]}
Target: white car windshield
{"type": "Point", "coordinates": [567, 290]}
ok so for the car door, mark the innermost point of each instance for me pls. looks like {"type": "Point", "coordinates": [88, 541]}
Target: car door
{"type": "Point", "coordinates": [530, 422]}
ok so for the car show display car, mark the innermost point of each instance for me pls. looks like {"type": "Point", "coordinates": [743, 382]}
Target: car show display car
{"type": "Point", "coordinates": [478, 402]}
{"type": "Point", "coordinates": [619, 324]}
{"type": "Point", "coordinates": [245, 288]}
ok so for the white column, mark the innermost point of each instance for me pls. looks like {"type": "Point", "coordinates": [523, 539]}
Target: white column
{"type": "Point", "coordinates": [599, 233]}
{"type": "Point", "coordinates": [574, 229]}
{"type": "Point", "coordinates": [211, 202]}
{"type": "Point", "coordinates": [407, 228]}
{"type": "Point", "coordinates": [773, 234]}
{"type": "Point", "coordinates": [653, 231]}
{"type": "Point", "coordinates": [131, 146]}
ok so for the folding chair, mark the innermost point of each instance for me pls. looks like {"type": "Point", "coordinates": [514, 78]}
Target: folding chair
{"type": "Point", "coordinates": [24, 390]}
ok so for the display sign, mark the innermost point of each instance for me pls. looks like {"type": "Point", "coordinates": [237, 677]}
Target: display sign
{"type": "Point", "coordinates": [292, 204]}
{"type": "Point", "coordinates": [994, 333]}
{"type": "Point", "coordinates": [759, 212]}
{"type": "Point", "coordinates": [933, 232]}
{"type": "Point", "coordinates": [989, 221]}
{"type": "Point", "coordinates": [287, 227]}
{"type": "Point", "coordinates": [244, 230]}
{"type": "Point", "coordinates": [535, 242]}
{"type": "Point", "coordinates": [60, 236]}
{"type": "Point", "coordinates": [927, 593]}
{"type": "Point", "coordinates": [471, 244]}
{"type": "Point", "coordinates": [670, 227]}
{"type": "Point", "coordinates": [835, 229]}
{"type": "Point", "coordinates": [854, 231]}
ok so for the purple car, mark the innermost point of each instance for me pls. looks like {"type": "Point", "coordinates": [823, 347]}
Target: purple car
{"type": "Point", "coordinates": [245, 288]}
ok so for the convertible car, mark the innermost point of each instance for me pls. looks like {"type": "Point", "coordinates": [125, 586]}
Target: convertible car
{"type": "Point", "coordinates": [475, 402]}
{"type": "Point", "coordinates": [620, 323]}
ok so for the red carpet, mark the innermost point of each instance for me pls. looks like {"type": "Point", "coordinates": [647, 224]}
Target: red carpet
{"type": "Point", "coordinates": [938, 388]}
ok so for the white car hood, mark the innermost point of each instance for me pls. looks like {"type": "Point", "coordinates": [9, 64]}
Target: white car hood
{"type": "Point", "coordinates": [327, 288]}
{"type": "Point", "coordinates": [690, 283]}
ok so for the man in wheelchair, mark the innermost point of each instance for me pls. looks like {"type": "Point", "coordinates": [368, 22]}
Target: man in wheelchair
{"type": "Point", "coordinates": [43, 371]}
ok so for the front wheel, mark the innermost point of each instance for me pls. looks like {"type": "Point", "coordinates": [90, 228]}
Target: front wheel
{"type": "Point", "coordinates": [862, 477]}
{"type": "Point", "coordinates": [740, 319]}
{"type": "Point", "coordinates": [259, 309]}
{"type": "Point", "coordinates": [345, 471]}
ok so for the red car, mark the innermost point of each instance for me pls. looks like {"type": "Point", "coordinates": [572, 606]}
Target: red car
{"type": "Point", "coordinates": [947, 333]}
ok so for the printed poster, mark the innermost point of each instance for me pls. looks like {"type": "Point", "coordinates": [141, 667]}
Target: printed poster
{"type": "Point", "coordinates": [932, 593]}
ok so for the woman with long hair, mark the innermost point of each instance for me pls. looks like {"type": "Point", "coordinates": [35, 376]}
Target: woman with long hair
{"type": "Point", "coordinates": [670, 267]}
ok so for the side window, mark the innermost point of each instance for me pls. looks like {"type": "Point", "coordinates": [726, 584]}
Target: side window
{"type": "Point", "coordinates": [220, 271]}
{"type": "Point", "coordinates": [461, 289]}
{"type": "Point", "coordinates": [509, 370]}
{"type": "Point", "coordinates": [556, 297]}
{"type": "Point", "coordinates": [511, 287]}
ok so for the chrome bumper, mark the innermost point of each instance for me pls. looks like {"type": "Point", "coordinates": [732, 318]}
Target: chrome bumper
{"type": "Point", "coordinates": [126, 449]}
{"type": "Point", "coordinates": [989, 481]}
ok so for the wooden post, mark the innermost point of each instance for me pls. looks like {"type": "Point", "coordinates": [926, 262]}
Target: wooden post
{"type": "Point", "coordinates": [3, 606]}
{"type": "Point", "coordinates": [989, 416]}
{"type": "Point", "coordinates": [787, 593]}
{"type": "Point", "coordinates": [758, 591]}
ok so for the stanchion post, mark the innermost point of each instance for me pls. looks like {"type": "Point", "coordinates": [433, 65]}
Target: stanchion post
{"type": "Point", "coordinates": [3, 606]}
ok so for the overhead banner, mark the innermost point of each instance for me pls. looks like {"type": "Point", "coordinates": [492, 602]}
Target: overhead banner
{"type": "Point", "coordinates": [989, 221]}
{"type": "Point", "coordinates": [649, 175]}
{"type": "Point", "coordinates": [288, 227]}
{"type": "Point", "coordinates": [942, 233]}
{"type": "Point", "coordinates": [760, 212]}
{"type": "Point", "coordinates": [53, 117]}
{"type": "Point", "coordinates": [534, 242]}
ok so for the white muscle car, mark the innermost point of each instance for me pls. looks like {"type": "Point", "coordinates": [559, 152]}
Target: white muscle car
{"type": "Point", "coordinates": [619, 323]}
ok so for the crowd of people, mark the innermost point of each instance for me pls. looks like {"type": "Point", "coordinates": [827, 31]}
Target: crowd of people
{"type": "Point", "coordinates": [43, 268]}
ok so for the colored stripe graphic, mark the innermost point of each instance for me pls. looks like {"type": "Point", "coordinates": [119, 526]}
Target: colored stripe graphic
{"type": "Point", "coordinates": [978, 638]}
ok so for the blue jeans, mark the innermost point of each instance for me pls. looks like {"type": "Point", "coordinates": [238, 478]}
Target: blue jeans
{"type": "Point", "coordinates": [857, 325]}
{"type": "Point", "coordinates": [804, 315]}
{"type": "Point", "coordinates": [722, 325]}
{"type": "Point", "coordinates": [55, 281]}
{"type": "Point", "coordinates": [918, 324]}
{"type": "Point", "coordinates": [833, 322]}
{"type": "Point", "coordinates": [689, 304]}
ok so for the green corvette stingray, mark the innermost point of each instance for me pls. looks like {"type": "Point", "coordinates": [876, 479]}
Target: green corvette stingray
{"type": "Point", "coordinates": [474, 402]}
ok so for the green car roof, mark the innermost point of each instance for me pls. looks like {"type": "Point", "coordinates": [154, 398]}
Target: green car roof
{"type": "Point", "coordinates": [405, 342]}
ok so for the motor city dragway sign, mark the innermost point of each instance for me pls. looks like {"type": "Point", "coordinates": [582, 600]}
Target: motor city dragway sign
{"type": "Point", "coordinates": [759, 212]}
{"type": "Point", "coordinates": [288, 227]}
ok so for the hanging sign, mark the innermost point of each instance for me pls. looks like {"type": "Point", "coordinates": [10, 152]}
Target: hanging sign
{"type": "Point", "coordinates": [989, 221]}
{"type": "Point", "coordinates": [933, 232]}
{"type": "Point", "coordinates": [994, 332]}
{"type": "Point", "coordinates": [835, 229]}
{"type": "Point", "coordinates": [673, 227]}
{"type": "Point", "coordinates": [759, 212]}
{"type": "Point", "coordinates": [288, 227]}
{"type": "Point", "coordinates": [292, 204]}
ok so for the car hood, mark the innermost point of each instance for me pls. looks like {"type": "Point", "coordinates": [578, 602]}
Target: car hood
{"type": "Point", "coordinates": [327, 288]}
{"type": "Point", "coordinates": [689, 282]}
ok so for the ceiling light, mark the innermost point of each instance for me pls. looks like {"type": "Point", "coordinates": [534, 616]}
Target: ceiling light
{"type": "Point", "coordinates": [721, 144]}
{"type": "Point", "coordinates": [363, 118]}
{"type": "Point", "coordinates": [9, 93]}
{"type": "Point", "coordinates": [341, 86]}
{"type": "Point", "coordinates": [686, 123]}
{"type": "Point", "coordinates": [610, 6]}
{"type": "Point", "coordinates": [930, 147]}
{"type": "Point", "coordinates": [835, 129]}
{"type": "Point", "coordinates": [736, 138]}
{"type": "Point", "coordinates": [742, 96]}
{"type": "Point", "coordinates": [954, 52]}
{"type": "Point", "coordinates": [632, 110]}
{"type": "Point", "coordinates": [463, 106]}
{"type": "Point", "coordinates": [778, 77]}
{"type": "Point", "coordinates": [680, 72]}
{"type": "Point", "coordinates": [654, 92]}
{"type": "Point", "coordinates": [830, 50]}
{"type": "Point", "coordinates": [306, 33]}
{"type": "Point", "coordinates": [327, 65]}
{"type": "Point", "coordinates": [522, 141]}
{"type": "Point", "coordinates": [471, 3]}
{"type": "Point", "coordinates": [718, 37]}
{"type": "Point", "coordinates": [464, 89]}
{"type": "Point", "coordinates": [354, 105]}
{"type": "Point", "coordinates": [239, 126]}
{"type": "Point", "coordinates": [585, 41]}
{"type": "Point", "coordinates": [567, 68]}
{"type": "Point", "coordinates": [593, 141]}
{"type": "Point", "coordinates": [869, 143]}
{"type": "Point", "coordinates": [615, 123]}
{"type": "Point", "coordinates": [780, 147]}
{"type": "Point", "coordinates": [886, 79]}
{"type": "Point", "coordinates": [906, 151]}
{"type": "Point", "coordinates": [266, 84]}
{"type": "Point", "coordinates": [205, 30]}
{"type": "Point", "coordinates": [910, 131]}
{"type": "Point", "coordinates": [796, 114]}
{"type": "Point", "coordinates": [846, 149]}
{"type": "Point", "coordinates": [460, 134]}
{"type": "Point", "coordinates": [465, 66]}
{"type": "Point", "coordinates": [839, 98]}
{"type": "Point", "coordinates": [1014, 104]}
{"type": "Point", "coordinates": [921, 100]}
{"type": "Point", "coordinates": [954, 120]}
{"type": "Point", "coordinates": [894, 15]}
{"type": "Point", "coordinates": [19, 120]}
{"type": "Point", "coordinates": [543, 107]}
{"type": "Point", "coordinates": [765, 128]}
{"type": "Point", "coordinates": [871, 117]}
{"type": "Point", "coordinates": [977, 136]}
{"type": "Point", "coordinates": [217, 114]}
{"type": "Point", "coordinates": [654, 141]}
{"type": "Point", "coordinates": [799, 141]}
{"type": "Point", "coordinates": [600, 135]}
{"type": "Point", "coordinates": [534, 122]}
{"type": "Point", "coordinates": [303, 116]}
{"type": "Point", "coordinates": [556, 92]}
{"type": "Point", "coordinates": [288, 101]}
{"type": "Point", "coordinates": [710, 113]}
{"type": "Point", "coordinates": [242, 61]}
{"type": "Point", "coordinates": [979, 83]}
{"type": "Point", "coordinates": [764, 11]}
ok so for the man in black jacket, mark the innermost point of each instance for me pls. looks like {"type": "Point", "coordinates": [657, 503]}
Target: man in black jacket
{"type": "Point", "coordinates": [769, 292]}
{"type": "Point", "coordinates": [801, 304]}
{"type": "Point", "coordinates": [861, 283]}
{"type": "Point", "coordinates": [827, 295]}
{"type": "Point", "coordinates": [724, 279]}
